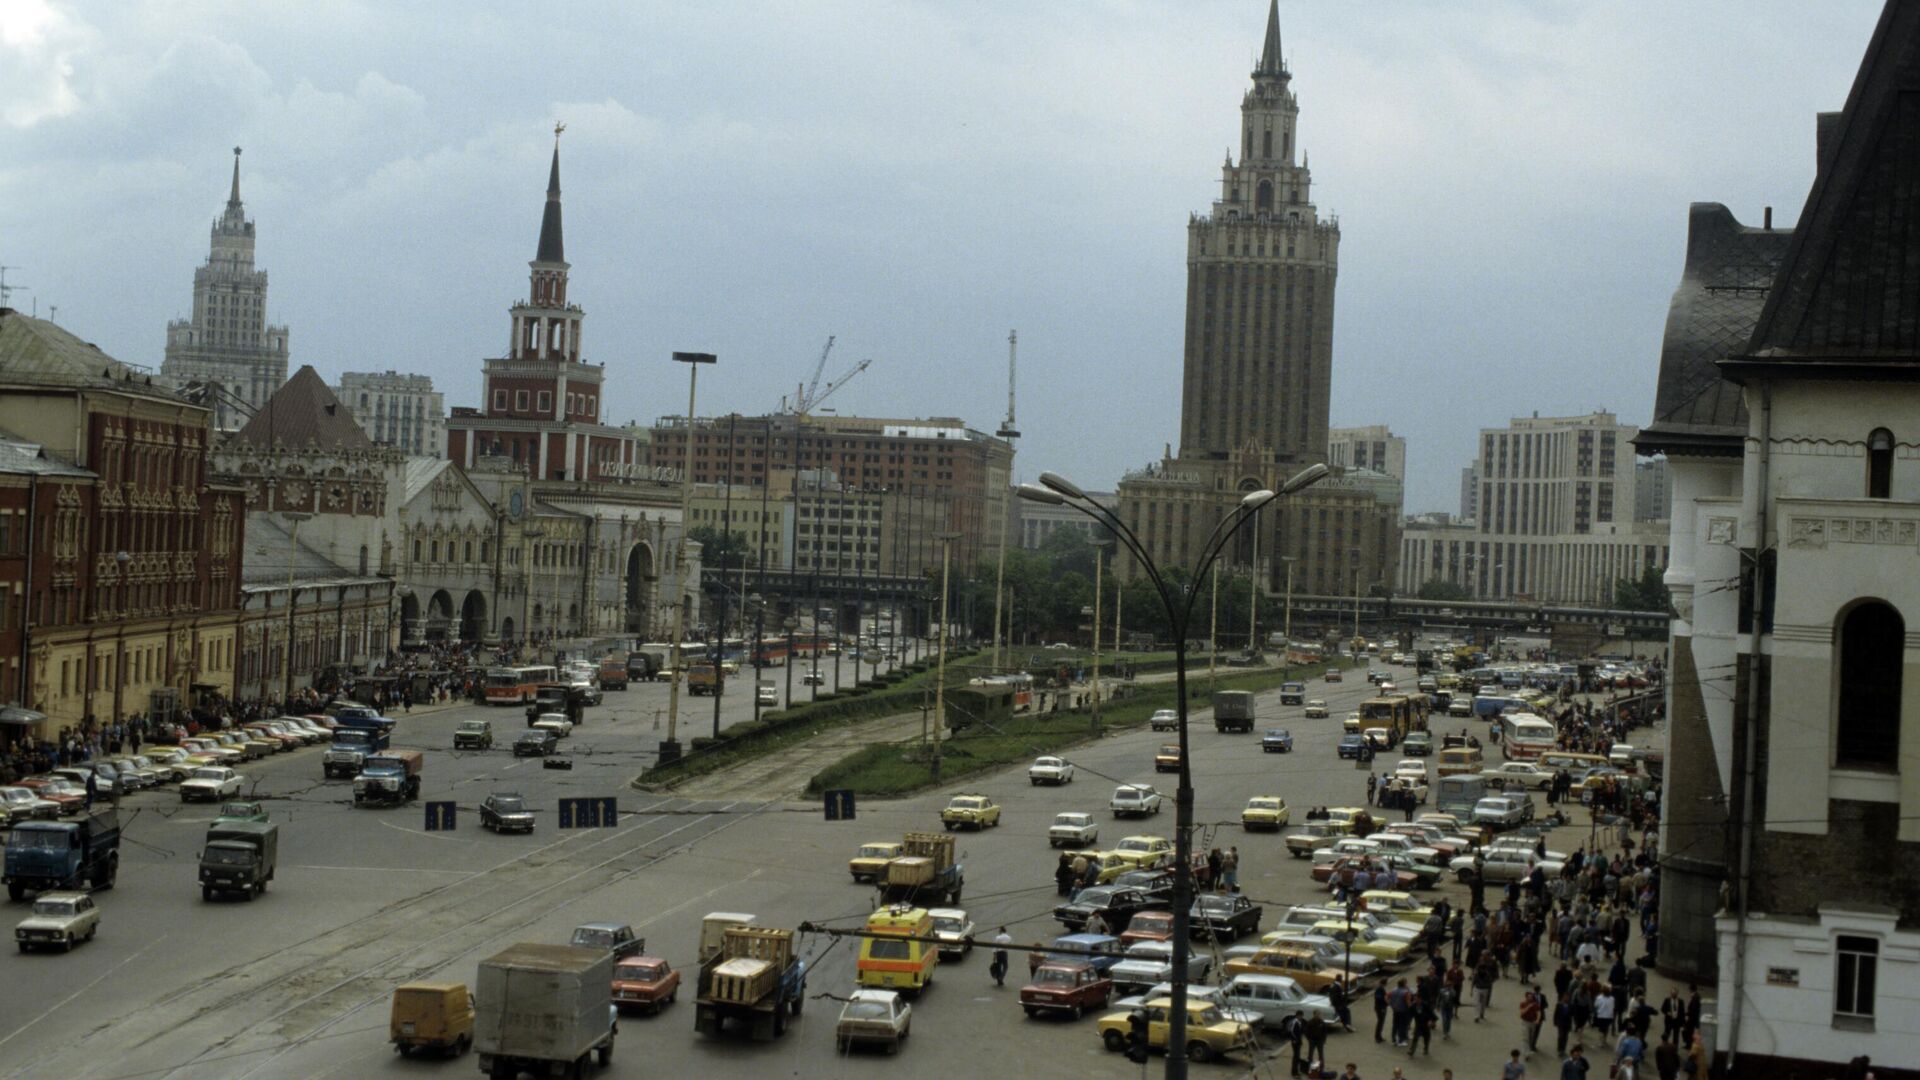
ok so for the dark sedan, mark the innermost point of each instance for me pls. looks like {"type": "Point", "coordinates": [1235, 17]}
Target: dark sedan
{"type": "Point", "coordinates": [1112, 905]}
{"type": "Point", "coordinates": [1223, 916]}
{"type": "Point", "coordinates": [1353, 745]}
{"type": "Point", "coordinates": [505, 812]}
{"type": "Point", "coordinates": [537, 742]}
{"type": "Point", "coordinates": [1277, 741]}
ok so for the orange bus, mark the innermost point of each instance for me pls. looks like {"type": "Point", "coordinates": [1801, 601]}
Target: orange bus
{"type": "Point", "coordinates": [516, 685]}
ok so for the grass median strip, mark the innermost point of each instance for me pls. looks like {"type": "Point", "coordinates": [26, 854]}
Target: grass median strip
{"type": "Point", "coordinates": [905, 767]}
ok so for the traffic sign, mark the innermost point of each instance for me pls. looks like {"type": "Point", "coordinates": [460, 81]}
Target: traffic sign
{"type": "Point", "coordinates": [840, 804]}
{"type": "Point", "coordinates": [597, 812]}
{"type": "Point", "coordinates": [440, 817]}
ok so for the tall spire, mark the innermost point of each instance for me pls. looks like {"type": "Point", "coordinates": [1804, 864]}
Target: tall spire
{"type": "Point", "coordinates": [233, 197]}
{"type": "Point", "coordinates": [552, 249]}
{"type": "Point", "coordinates": [1271, 62]}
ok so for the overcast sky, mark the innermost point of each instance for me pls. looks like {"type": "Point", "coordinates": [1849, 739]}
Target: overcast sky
{"type": "Point", "coordinates": [1512, 182]}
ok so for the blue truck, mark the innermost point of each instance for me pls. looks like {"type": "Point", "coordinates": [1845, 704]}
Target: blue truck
{"type": "Point", "coordinates": [351, 746]}
{"type": "Point", "coordinates": [43, 855]}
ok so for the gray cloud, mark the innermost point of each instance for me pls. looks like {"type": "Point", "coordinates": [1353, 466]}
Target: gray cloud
{"type": "Point", "coordinates": [916, 178]}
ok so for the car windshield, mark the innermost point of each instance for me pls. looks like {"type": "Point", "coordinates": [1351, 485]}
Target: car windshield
{"type": "Point", "coordinates": [473, 725]}
{"type": "Point", "coordinates": [1134, 844]}
{"type": "Point", "coordinates": [535, 736]}
{"type": "Point", "coordinates": [208, 774]}
{"type": "Point", "coordinates": [1053, 976]}
{"type": "Point", "coordinates": [508, 804]}
{"type": "Point", "coordinates": [36, 840]}
{"type": "Point", "coordinates": [1216, 903]}
{"type": "Point", "coordinates": [875, 851]}
{"type": "Point", "coordinates": [1206, 1015]}
{"type": "Point", "coordinates": [866, 1010]}
{"type": "Point", "coordinates": [1264, 804]}
{"type": "Point", "coordinates": [966, 804]}
{"type": "Point", "coordinates": [887, 949]}
{"type": "Point", "coordinates": [593, 939]}
{"type": "Point", "coordinates": [950, 925]}
{"type": "Point", "coordinates": [222, 856]}
{"type": "Point", "coordinates": [53, 907]}
{"type": "Point", "coordinates": [1070, 819]}
{"type": "Point", "coordinates": [646, 972]}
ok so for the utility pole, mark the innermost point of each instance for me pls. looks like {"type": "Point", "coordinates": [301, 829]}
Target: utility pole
{"type": "Point", "coordinates": [940, 678]}
{"type": "Point", "coordinates": [1008, 432]}
{"type": "Point", "coordinates": [670, 746]}
{"type": "Point", "coordinates": [1253, 594]}
{"type": "Point", "coordinates": [1094, 728]}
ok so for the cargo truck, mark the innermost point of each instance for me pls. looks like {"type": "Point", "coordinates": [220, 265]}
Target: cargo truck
{"type": "Point", "coordinates": [350, 748]}
{"type": "Point", "coordinates": [1233, 710]}
{"type": "Point", "coordinates": [613, 673]}
{"type": "Point", "coordinates": [544, 1009]}
{"type": "Point", "coordinates": [389, 778]}
{"type": "Point", "coordinates": [704, 678]}
{"type": "Point", "coordinates": [239, 857]}
{"type": "Point", "coordinates": [43, 855]}
{"type": "Point", "coordinates": [747, 973]}
{"type": "Point", "coordinates": [924, 873]}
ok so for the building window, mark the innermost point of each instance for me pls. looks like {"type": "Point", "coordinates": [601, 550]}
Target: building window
{"type": "Point", "coordinates": [1872, 641]}
{"type": "Point", "coordinates": [1879, 464]}
{"type": "Point", "coordinates": [544, 403]}
{"type": "Point", "coordinates": [1857, 963]}
{"type": "Point", "coordinates": [499, 401]}
{"type": "Point", "coordinates": [519, 401]}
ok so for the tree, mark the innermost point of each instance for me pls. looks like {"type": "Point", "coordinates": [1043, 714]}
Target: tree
{"type": "Point", "coordinates": [1436, 589]}
{"type": "Point", "coordinates": [1649, 593]}
{"type": "Point", "coordinates": [720, 551]}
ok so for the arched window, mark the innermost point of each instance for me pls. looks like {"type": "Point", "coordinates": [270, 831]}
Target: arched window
{"type": "Point", "coordinates": [1266, 143]}
{"type": "Point", "coordinates": [363, 560]}
{"type": "Point", "coordinates": [1263, 197]}
{"type": "Point", "coordinates": [1872, 642]}
{"type": "Point", "coordinates": [1880, 464]}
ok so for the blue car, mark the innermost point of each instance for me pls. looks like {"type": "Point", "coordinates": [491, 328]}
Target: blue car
{"type": "Point", "coordinates": [1277, 741]}
{"type": "Point", "coordinates": [1105, 947]}
{"type": "Point", "coordinates": [1353, 745]}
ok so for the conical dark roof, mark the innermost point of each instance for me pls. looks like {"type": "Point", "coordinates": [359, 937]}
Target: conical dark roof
{"type": "Point", "coordinates": [301, 412]}
{"type": "Point", "coordinates": [552, 247]}
{"type": "Point", "coordinates": [1845, 298]}
{"type": "Point", "coordinates": [1271, 62]}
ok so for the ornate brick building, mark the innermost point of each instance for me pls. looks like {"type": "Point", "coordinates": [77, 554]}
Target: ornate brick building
{"type": "Point", "coordinates": [135, 573]}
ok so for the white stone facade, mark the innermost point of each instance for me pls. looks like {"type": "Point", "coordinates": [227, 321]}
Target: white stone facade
{"type": "Point", "coordinates": [1373, 447]}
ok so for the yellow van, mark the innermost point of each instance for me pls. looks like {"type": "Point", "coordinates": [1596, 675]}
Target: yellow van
{"type": "Point", "coordinates": [890, 960]}
{"type": "Point", "coordinates": [1455, 760]}
{"type": "Point", "coordinates": [431, 1014]}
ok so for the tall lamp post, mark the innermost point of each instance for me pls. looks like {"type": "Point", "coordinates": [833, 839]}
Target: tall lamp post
{"type": "Point", "coordinates": [670, 746]}
{"type": "Point", "coordinates": [1178, 601]}
{"type": "Point", "coordinates": [940, 676]}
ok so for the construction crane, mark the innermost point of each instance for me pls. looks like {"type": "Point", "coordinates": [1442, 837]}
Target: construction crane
{"type": "Point", "coordinates": [1007, 430]}
{"type": "Point", "coordinates": [808, 397]}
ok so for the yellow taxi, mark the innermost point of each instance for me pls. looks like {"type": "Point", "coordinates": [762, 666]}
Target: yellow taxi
{"type": "Point", "coordinates": [1266, 813]}
{"type": "Point", "coordinates": [1401, 906]}
{"type": "Point", "coordinates": [1362, 939]}
{"type": "Point", "coordinates": [975, 811]}
{"type": "Point", "coordinates": [1144, 852]}
{"type": "Point", "coordinates": [1342, 817]}
{"type": "Point", "coordinates": [1111, 864]}
{"type": "Point", "coordinates": [870, 862]}
{"type": "Point", "coordinates": [1295, 959]}
{"type": "Point", "coordinates": [901, 954]}
{"type": "Point", "coordinates": [1209, 1033]}
{"type": "Point", "coordinates": [1167, 759]}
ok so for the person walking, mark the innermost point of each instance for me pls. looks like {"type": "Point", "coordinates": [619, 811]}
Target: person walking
{"type": "Point", "coordinates": [1576, 1064]}
{"type": "Point", "coordinates": [1447, 1000]}
{"type": "Point", "coordinates": [1379, 1011]}
{"type": "Point", "coordinates": [1315, 1030]}
{"type": "Point", "coordinates": [998, 968]}
{"type": "Point", "coordinates": [1293, 1029]}
{"type": "Point", "coordinates": [1603, 1011]}
{"type": "Point", "coordinates": [1230, 866]}
{"type": "Point", "coordinates": [1483, 977]}
{"type": "Point", "coordinates": [1422, 1035]}
{"type": "Point", "coordinates": [1342, 1005]}
{"type": "Point", "coordinates": [1533, 1012]}
{"type": "Point", "coordinates": [1514, 1069]}
{"type": "Point", "coordinates": [1562, 1025]}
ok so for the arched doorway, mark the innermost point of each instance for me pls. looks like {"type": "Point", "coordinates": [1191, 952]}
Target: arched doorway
{"type": "Point", "coordinates": [439, 616]}
{"type": "Point", "coordinates": [506, 629]}
{"type": "Point", "coordinates": [640, 578]}
{"type": "Point", "coordinates": [409, 618]}
{"type": "Point", "coordinates": [473, 617]}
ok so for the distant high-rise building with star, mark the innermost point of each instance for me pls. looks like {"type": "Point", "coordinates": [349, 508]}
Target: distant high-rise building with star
{"type": "Point", "coordinates": [227, 346]}
{"type": "Point", "coordinates": [1258, 375]}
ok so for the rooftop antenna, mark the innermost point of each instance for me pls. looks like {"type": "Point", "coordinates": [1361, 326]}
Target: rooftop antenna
{"type": "Point", "coordinates": [6, 290]}
{"type": "Point", "coordinates": [1007, 430]}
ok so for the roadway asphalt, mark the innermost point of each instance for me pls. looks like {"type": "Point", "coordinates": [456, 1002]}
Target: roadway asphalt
{"type": "Point", "coordinates": [296, 984]}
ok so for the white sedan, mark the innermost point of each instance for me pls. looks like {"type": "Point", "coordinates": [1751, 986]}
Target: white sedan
{"type": "Point", "coordinates": [1316, 709]}
{"type": "Point", "coordinates": [1072, 830]}
{"type": "Point", "coordinates": [1518, 774]}
{"type": "Point", "coordinates": [1050, 770]}
{"type": "Point", "coordinates": [211, 783]}
{"type": "Point", "coordinates": [556, 723]}
{"type": "Point", "coordinates": [21, 804]}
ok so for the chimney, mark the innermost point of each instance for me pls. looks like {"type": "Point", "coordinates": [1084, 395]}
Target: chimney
{"type": "Point", "coordinates": [1766, 218]}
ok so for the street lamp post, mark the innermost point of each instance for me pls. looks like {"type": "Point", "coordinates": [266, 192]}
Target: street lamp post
{"type": "Point", "coordinates": [670, 746]}
{"type": "Point", "coordinates": [940, 676]}
{"type": "Point", "coordinates": [293, 550]}
{"type": "Point", "coordinates": [1286, 625]}
{"type": "Point", "coordinates": [789, 623]}
{"type": "Point", "coordinates": [1177, 601]}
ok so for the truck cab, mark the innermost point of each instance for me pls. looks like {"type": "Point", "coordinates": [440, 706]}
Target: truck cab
{"type": "Point", "coordinates": [1293, 693]}
{"type": "Point", "coordinates": [351, 746]}
{"type": "Point", "coordinates": [390, 777]}
{"type": "Point", "coordinates": [239, 857]}
{"type": "Point", "coordinates": [43, 855]}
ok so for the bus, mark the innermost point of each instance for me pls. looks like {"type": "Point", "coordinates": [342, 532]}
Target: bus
{"type": "Point", "coordinates": [1527, 736]}
{"type": "Point", "coordinates": [516, 685]}
{"type": "Point", "coordinates": [1395, 712]}
{"type": "Point", "coordinates": [1019, 683]}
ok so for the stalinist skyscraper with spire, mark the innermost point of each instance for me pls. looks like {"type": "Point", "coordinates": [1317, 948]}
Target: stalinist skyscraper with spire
{"type": "Point", "coordinates": [1258, 372]}
{"type": "Point", "coordinates": [227, 342]}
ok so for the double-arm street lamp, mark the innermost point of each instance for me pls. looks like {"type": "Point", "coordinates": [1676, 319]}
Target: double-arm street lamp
{"type": "Point", "coordinates": [1177, 599]}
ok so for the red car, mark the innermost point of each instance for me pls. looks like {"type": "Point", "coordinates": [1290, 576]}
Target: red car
{"type": "Point", "coordinates": [1148, 926]}
{"type": "Point", "coordinates": [644, 982]}
{"type": "Point", "coordinates": [1066, 986]}
{"type": "Point", "coordinates": [72, 799]}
